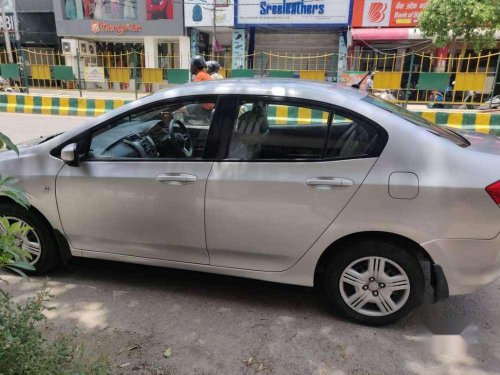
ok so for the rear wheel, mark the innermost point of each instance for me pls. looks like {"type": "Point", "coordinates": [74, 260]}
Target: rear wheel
{"type": "Point", "coordinates": [39, 241]}
{"type": "Point", "coordinates": [374, 282]}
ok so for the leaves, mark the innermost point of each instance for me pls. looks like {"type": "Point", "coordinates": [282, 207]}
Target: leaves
{"type": "Point", "coordinates": [8, 189]}
{"type": "Point", "coordinates": [474, 21]}
{"type": "Point", "coordinates": [5, 141]}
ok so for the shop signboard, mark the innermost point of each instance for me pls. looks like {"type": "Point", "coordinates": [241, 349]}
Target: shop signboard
{"type": "Point", "coordinates": [200, 13]}
{"type": "Point", "coordinates": [9, 23]}
{"type": "Point", "coordinates": [292, 13]}
{"type": "Point", "coordinates": [93, 74]}
{"type": "Point", "coordinates": [387, 13]}
{"type": "Point", "coordinates": [239, 48]}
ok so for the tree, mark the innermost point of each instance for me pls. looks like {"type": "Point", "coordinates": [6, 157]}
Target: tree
{"type": "Point", "coordinates": [473, 21]}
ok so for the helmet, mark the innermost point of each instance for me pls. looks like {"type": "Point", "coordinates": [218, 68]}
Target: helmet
{"type": "Point", "coordinates": [213, 67]}
{"type": "Point", "coordinates": [197, 63]}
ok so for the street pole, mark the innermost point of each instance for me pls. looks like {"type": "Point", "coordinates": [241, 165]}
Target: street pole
{"type": "Point", "coordinates": [20, 52]}
{"type": "Point", "coordinates": [79, 72]}
{"type": "Point", "coordinates": [6, 32]}
{"type": "Point", "coordinates": [408, 84]}
{"type": "Point", "coordinates": [215, 31]}
{"type": "Point", "coordinates": [495, 83]}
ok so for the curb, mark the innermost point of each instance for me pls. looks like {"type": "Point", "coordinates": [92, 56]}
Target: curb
{"type": "Point", "coordinates": [64, 106]}
{"type": "Point", "coordinates": [488, 123]}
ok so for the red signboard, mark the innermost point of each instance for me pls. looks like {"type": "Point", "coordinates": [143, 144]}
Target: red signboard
{"type": "Point", "coordinates": [387, 13]}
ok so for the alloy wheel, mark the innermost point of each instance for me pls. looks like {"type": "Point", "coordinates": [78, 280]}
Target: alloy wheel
{"type": "Point", "coordinates": [374, 286]}
{"type": "Point", "coordinates": [29, 241]}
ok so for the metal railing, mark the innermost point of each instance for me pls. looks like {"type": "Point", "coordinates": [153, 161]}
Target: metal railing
{"type": "Point", "coordinates": [407, 78]}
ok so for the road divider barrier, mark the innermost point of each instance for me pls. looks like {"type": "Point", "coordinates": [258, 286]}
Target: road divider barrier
{"type": "Point", "coordinates": [488, 122]}
{"type": "Point", "coordinates": [53, 105]}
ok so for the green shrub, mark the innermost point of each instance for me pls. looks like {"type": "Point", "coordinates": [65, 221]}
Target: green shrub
{"type": "Point", "coordinates": [24, 350]}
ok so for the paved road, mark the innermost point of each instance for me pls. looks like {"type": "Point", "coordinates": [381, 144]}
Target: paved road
{"type": "Point", "coordinates": [215, 324]}
{"type": "Point", "coordinates": [21, 127]}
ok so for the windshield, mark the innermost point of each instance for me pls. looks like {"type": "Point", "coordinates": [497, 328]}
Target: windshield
{"type": "Point", "coordinates": [412, 117]}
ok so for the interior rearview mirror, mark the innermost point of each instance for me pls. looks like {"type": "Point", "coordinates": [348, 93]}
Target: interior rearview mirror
{"type": "Point", "coordinates": [68, 154]}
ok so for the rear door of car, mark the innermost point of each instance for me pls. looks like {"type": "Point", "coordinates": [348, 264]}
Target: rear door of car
{"type": "Point", "coordinates": [278, 183]}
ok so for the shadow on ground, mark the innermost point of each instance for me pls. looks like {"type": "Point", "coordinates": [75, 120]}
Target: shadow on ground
{"type": "Point", "coordinates": [225, 325]}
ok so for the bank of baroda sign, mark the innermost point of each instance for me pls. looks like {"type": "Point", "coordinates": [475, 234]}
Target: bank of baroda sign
{"type": "Point", "coordinates": [291, 13]}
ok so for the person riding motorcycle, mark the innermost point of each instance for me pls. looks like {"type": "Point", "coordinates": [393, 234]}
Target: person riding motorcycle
{"type": "Point", "coordinates": [197, 68]}
{"type": "Point", "coordinates": [213, 68]}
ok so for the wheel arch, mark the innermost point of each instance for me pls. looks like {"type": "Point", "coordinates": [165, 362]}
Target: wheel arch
{"type": "Point", "coordinates": [418, 251]}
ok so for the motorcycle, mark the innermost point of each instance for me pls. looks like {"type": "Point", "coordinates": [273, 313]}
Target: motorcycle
{"type": "Point", "coordinates": [5, 86]}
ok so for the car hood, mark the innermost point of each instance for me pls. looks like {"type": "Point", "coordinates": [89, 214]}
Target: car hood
{"type": "Point", "coordinates": [36, 141]}
{"type": "Point", "coordinates": [481, 142]}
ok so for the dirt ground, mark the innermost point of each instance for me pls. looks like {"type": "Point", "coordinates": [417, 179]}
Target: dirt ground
{"type": "Point", "coordinates": [223, 325]}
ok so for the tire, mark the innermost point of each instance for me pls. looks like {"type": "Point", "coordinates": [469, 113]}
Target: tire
{"type": "Point", "coordinates": [374, 282]}
{"type": "Point", "coordinates": [42, 233]}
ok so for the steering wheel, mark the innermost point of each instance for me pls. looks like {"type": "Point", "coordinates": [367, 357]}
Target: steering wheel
{"type": "Point", "coordinates": [181, 139]}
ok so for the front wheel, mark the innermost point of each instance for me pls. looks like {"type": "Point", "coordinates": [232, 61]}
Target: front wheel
{"type": "Point", "coordinates": [38, 241]}
{"type": "Point", "coordinates": [374, 282]}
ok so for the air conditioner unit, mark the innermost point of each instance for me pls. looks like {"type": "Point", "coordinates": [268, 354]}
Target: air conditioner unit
{"type": "Point", "coordinates": [69, 46]}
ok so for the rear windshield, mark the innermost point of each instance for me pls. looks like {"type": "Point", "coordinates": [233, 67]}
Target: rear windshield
{"type": "Point", "coordinates": [412, 117]}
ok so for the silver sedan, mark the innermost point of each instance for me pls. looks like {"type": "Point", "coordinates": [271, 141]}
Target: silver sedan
{"type": "Point", "coordinates": [279, 180]}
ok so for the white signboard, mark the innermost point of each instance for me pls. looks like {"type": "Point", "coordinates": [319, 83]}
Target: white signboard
{"type": "Point", "coordinates": [94, 74]}
{"type": "Point", "coordinates": [10, 22]}
{"type": "Point", "coordinates": [200, 13]}
{"type": "Point", "coordinates": [307, 13]}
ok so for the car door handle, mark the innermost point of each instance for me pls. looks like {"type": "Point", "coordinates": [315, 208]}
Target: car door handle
{"type": "Point", "coordinates": [176, 178]}
{"type": "Point", "coordinates": [333, 182]}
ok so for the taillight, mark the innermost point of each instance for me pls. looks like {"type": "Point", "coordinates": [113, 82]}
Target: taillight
{"type": "Point", "coordinates": [494, 191]}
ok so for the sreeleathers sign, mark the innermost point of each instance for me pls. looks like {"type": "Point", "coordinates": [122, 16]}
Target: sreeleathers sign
{"type": "Point", "coordinates": [292, 13]}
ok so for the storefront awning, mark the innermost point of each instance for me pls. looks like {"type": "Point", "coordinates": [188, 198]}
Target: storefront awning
{"type": "Point", "coordinates": [390, 33]}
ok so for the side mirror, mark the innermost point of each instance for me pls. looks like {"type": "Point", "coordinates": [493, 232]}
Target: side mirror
{"type": "Point", "coordinates": [68, 154]}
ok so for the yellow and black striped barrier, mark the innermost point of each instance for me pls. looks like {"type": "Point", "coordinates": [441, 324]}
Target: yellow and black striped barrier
{"type": "Point", "coordinates": [51, 105]}
{"type": "Point", "coordinates": [488, 123]}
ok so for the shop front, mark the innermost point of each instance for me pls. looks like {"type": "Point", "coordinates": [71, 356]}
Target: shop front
{"type": "Point", "coordinates": [115, 42]}
{"type": "Point", "coordinates": [290, 37]}
{"type": "Point", "coordinates": [210, 28]}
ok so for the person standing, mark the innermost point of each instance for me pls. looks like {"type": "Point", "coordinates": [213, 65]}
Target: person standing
{"type": "Point", "coordinates": [198, 66]}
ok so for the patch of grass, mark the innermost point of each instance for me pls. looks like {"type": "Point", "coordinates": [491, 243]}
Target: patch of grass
{"type": "Point", "coordinates": [25, 351]}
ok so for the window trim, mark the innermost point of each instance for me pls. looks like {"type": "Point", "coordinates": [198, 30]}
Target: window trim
{"type": "Point", "coordinates": [327, 107]}
{"type": "Point", "coordinates": [83, 140]}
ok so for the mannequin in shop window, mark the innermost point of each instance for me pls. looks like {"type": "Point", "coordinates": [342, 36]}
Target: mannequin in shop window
{"type": "Point", "coordinates": [129, 9]}
{"type": "Point", "coordinates": [70, 9]}
{"type": "Point", "coordinates": [116, 9]}
{"type": "Point", "coordinates": [88, 8]}
{"type": "Point", "coordinates": [160, 9]}
{"type": "Point", "coordinates": [98, 9]}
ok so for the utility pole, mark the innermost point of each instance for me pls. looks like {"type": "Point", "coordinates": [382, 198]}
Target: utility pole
{"type": "Point", "coordinates": [6, 32]}
{"type": "Point", "coordinates": [215, 31]}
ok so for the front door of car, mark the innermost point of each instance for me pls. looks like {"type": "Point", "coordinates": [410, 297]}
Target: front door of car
{"type": "Point", "coordinates": [289, 170]}
{"type": "Point", "coordinates": [140, 189]}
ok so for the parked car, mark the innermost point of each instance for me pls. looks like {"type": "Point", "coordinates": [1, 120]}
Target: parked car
{"type": "Point", "coordinates": [279, 180]}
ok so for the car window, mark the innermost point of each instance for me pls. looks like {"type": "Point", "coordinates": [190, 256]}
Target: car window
{"type": "Point", "coordinates": [415, 119]}
{"type": "Point", "coordinates": [267, 130]}
{"type": "Point", "coordinates": [350, 137]}
{"type": "Point", "coordinates": [170, 131]}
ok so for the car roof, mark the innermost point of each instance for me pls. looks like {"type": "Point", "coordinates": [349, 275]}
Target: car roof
{"type": "Point", "coordinates": [295, 88]}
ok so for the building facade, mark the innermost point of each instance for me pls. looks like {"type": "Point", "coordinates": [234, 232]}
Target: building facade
{"type": "Point", "coordinates": [152, 28]}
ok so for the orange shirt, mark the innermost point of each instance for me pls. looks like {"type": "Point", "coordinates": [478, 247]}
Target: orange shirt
{"type": "Point", "coordinates": [202, 76]}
